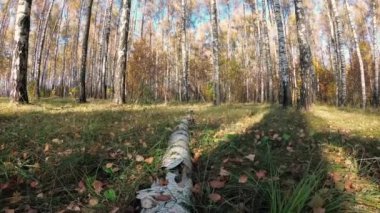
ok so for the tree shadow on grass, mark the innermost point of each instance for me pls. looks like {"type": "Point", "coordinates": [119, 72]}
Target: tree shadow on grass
{"type": "Point", "coordinates": [290, 157]}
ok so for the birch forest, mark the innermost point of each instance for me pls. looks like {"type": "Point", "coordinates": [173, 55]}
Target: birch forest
{"type": "Point", "coordinates": [270, 98]}
{"type": "Point", "coordinates": [288, 52]}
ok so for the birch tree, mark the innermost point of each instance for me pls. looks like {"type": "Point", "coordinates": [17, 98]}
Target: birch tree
{"type": "Point", "coordinates": [185, 57]}
{"type": "Point", "coordinates": [342, 82]}
{"type": "Point", "coordinates": [19, 93]}
{"type": "Point", "coordinates": [215, 51]}
{"type": "Point", "coordinates": [305, 55]}
{"type": "Point", "coordinates": [285, 93]}
{"type": "Point", "coordinates": [106, 38]}
{"type": "Point", "coordinates": [122, 50]}
{"type": "Point", "coordinates": [39, 49]}
{"type": "Point", "coordinates": [358, 53]}
{"type": "Point", "coordinates": [82, 88]}
{"type": "Point", "coordinates": [375, 52]}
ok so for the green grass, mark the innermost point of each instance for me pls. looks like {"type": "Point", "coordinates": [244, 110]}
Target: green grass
{"type": "Point", "coordinates": [58, 144]}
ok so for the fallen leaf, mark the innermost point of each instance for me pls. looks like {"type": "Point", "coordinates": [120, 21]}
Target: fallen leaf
{"type": "Point", "coordinates": [57, 141]}
{"type": "Point", "coordinates": [275, 136]}
{"type": "Point", "coordinates": [7, 210]}
{"type": "Point", "coordinates": [98, 186]}
{"type": "Point", "coordinates": [250, 157]}
{"type": "Point", "coordinates": [40, 195]}
{"type": "Point", "coordinates": [215, 197]}
{"type": "Point", "coordinates": [197, 189]}
{"type": "Point", "coordinates": [162, 197]}
{"type": "Point", "coordinates": [217, 184]}
{"type": "Point", "coordinates": [4, 185]}
{"type": "Point", "coordinates": [226, 160]}
{"type": "Point", "coordinates": [81, 187]}
{"type": "Point", "coordinates": [243, 179]}
{"type": "Point", "coordinates": [197, 155]}
{"type": "Point", "coordinates": [139, 158]}
{"type": "Point", "coordinates": [34, 184]}
{"type": "Point", "coordinates": [224, 172]}
{"type": "Point", "coordinates": [16, 197]}
{"type": "Point", "coordinates": [114, 210]}
{"type": "Point", "coordinates": [290, 149]}
{"type": "Point", "coordinates": [109, 165]}
{"type": "Point", "coordinates": [149, 160]}
{"type": "Point", "coordinates": [335, 177]}
{"type": "Point", "coordinates": [47, 147]}
{"type": "Point", "coordinates": [93, 202]}
{"type": "Point", "coordinates": [73, 207]}
{"type": "Point", "coordinates": [319, 210]}
{"type": "Point", "coordinates": [349, 186]}
{"type": "Point", "coordinates": [261, 174]}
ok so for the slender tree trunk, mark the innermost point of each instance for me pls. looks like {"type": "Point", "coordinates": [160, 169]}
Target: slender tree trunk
{"type": "Point", "coordinates": [375, 53]}
{"type": "Point", "coordinates": [106, 36]}
{"type": "Point", "coordinates": [74, 63]}
{"type": "Point", "coordinates": [37, 39]}
{"type": "Point", "coordinates": [334, 54]}
{"type": "Point", "coordinates": [285, 93]}
{"type": "Point", "coordinates": [305, 56]}
{"type": "Point", "coordinates": [359, 55]}
{"type": "Point", "coordinates": [339, 34]}
{"type": "Point", "coordinates": [185, 57]}
{"type": "Point", "coordinates": [19, 68]}
{"type": "Point", "coordinates": [215, 51]}
{"type": "Point", "coordinates": [40, 48]}
{"type": "Point", "coordinates": [121, 64]}
{"type": "Point", "coordinates": [82, 89]}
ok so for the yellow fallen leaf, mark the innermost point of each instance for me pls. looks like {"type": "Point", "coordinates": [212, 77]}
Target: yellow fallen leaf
{"type": "Point", "coordinates": [149, 160]}
{"type": "Point", "coordinates": [16, 197]}
{"type": "Point", "coordinates": [93, 202]}
{"type": "Point", "coordinates": [47, 147]}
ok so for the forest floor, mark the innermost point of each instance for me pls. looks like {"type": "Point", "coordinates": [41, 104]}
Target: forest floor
{"type": "Point", "coordinates": [58, 156]}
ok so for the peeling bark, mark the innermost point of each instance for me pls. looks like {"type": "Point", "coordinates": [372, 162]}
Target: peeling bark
{"type": "Point", "coordinates": [178, 167]}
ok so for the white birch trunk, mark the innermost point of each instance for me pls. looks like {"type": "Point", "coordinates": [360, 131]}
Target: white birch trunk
{"type": "Point", "coordinates": [375, 52]}
{"type": "Point", "coordinates": [358, 53]}
{"type": "Point", "coordinates": [19, 68]}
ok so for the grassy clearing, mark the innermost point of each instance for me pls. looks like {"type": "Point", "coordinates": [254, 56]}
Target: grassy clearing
{"type": "Point", "coordinates": [57, 154]}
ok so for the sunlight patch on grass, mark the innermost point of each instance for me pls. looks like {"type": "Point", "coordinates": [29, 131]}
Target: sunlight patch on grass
{"type": "Point", "coordinates": [357, 122]}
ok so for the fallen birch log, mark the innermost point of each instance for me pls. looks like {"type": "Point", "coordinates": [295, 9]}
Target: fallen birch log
{"type": "Point", "coordinates": [174, 197]}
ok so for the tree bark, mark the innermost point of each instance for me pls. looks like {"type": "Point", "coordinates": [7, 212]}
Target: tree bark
{"type": "Point", "coordinates": [375, 53]}
{"type": "Point", "coordinates": [106, 36]}
{"type": "Point", "coordinates": [185, 57]}
{"type": "Point", "coordinates": [342, 91]}
{"type": "Point", "coordinates": [305, 56]}
{"type": "Point", "coordinates": [285, 93]}
{"type": "Point", "coordinates": [39, 48]}
{"type": "Point", "coordinates": [19, 93]}
{"type": "Point", "coordinates": [359, 55]}
{"type": "Point", "coordinates": [82, 89]}
{"type": "Point", "coordinates": [121, 64]}
{"type": "Point", "coordinates": [215, 51]}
